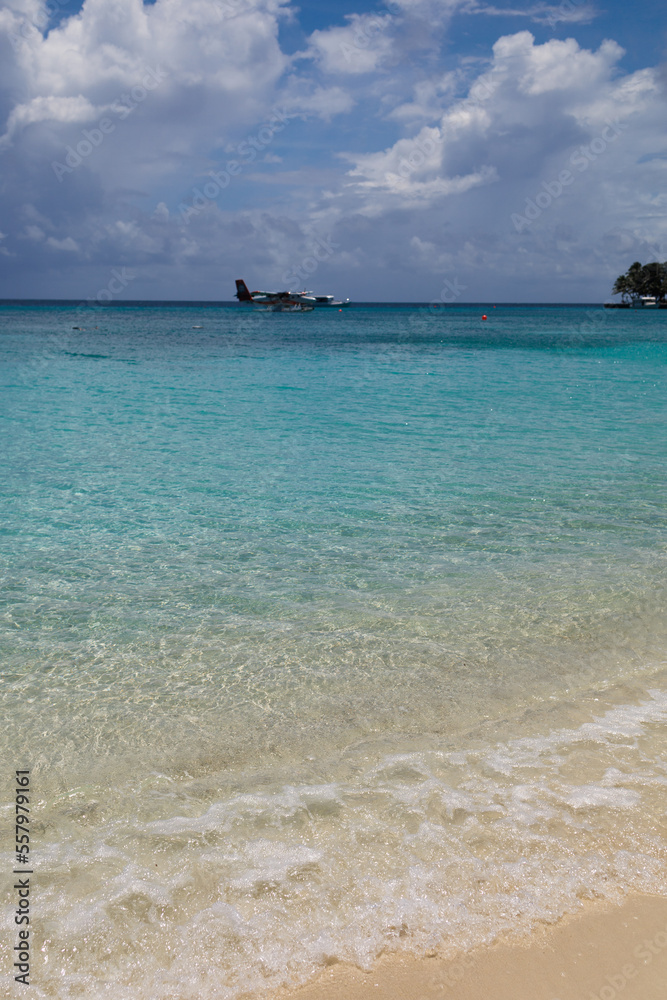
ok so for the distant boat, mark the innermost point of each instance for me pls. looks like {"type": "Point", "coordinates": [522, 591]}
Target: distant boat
{"type": "Point", "coordinates": [639, 302]}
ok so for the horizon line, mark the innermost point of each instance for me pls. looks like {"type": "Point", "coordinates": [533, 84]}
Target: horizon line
{"type": "Point", "coordinates": [433, 303]}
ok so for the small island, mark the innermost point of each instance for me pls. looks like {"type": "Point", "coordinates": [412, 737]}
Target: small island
{"type": "Point", "coordinates": [643, 286]}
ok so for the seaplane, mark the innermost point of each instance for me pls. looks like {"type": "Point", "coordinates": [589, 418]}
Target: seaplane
{"type": "Point", "coordinates": [275, 301]}
{"type": "Point", "coordinates": [286, 301]}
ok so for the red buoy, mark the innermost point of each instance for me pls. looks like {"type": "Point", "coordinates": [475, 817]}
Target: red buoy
{"type": "Point", "coordinates": [483, 317]}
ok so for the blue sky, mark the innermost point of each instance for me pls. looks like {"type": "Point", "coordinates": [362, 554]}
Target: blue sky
{"type": "Point", "coordinates": [417, 150]}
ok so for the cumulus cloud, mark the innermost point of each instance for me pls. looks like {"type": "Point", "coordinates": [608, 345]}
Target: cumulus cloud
{"type": "Point", "coordinates": [122, 99]}
{"type": "Point", "coordinates": [480, 186]}
{"type": "Point", "coordinates": [361, 46]}
{"type": "Point", "coordinates": [411, 173]}
{"type": "Point", "coordinates": [429, 99]}
{"type": "Point", "coordinates": [533, 103]}
{"type": "Point", "coordinates": [386, 39]}
{"type": "Point", "coordinates": [81, 69]}
{"type": "Point", "coordinates": [67, 244]}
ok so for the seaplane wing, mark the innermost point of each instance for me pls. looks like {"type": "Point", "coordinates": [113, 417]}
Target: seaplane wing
{"type": "Point", "coordinates": [276, 301]}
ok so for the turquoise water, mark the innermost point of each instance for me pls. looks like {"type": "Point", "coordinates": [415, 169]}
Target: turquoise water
{"type": "Point", "coordinates": [328, 634]}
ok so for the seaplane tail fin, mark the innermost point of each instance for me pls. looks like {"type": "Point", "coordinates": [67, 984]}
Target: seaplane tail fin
{"type": "Point", "coordinates": [242, 293]}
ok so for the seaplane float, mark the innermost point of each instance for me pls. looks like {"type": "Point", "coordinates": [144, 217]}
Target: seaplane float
{"type": "Point", "coordinates": [285, 301]}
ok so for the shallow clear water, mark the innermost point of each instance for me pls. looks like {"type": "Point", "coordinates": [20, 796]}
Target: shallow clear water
{"type": "Point", "coordinates": [328, 634]}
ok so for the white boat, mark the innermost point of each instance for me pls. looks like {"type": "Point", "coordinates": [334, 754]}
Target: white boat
{"type": "Point", "coordinates": [645, 302]}
{"type": "Point", "coordinates": [325, 300]}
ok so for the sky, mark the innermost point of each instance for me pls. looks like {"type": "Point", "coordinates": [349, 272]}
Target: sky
{"type": "Point", "coordinates": [414, 150]}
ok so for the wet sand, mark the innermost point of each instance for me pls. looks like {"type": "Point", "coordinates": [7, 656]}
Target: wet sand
{"type": "Point", "coordinates": [603, 953]}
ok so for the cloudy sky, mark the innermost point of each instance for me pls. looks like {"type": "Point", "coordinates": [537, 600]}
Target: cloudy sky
{"type": "Point", "coordinates": [406, 151]}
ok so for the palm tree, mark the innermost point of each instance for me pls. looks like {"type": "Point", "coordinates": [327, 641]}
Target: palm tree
{"type": "Point", "coordinates": [654, 280]}
{"type": "Point", "coordinates": [622, 287]}
{"type": "Point", "coordinates": [642, 279]}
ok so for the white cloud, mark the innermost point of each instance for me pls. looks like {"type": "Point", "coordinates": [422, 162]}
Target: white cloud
{"type": "Point", "coordinates": [68, 244]}
{"type": "Point", "coordinates": [431, 11]}
{"type": "Point", "coordinates": [378, 41]}
{"type": "Point", "coordinates": [63, 110]}
{"type": "Point", "coordinates": [567, 12]}
{"type": "Point", "coordinates": [429, 98]}
{"type": "Point", "coordinates": [556, 65]}
{"type": "Point", "coordinates": [558, 90]}
{"type": "Point", "coordinates": [161, 212]}
{"type": "Point", "coordinates": [412, 172]}
{"type": "Point", "coordinates": [361, 46]}
{"type": "Point", "coordinates": [302, 98]}
{"type": "Point", "coordinates": [173, 81]}
{"type": "Point", "coordinates": [215, 69]}
{"type": "Point", "coordinates": [449, 193]}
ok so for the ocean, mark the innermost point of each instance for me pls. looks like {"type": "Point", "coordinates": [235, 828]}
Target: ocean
{"type": "Point", "coordinates": [327, 635]}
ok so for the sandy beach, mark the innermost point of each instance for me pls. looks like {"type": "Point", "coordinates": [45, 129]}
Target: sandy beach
{"type": "Point", "coordinates": [603, 953]}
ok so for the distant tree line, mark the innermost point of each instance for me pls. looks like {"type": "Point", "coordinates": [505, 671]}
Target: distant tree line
{"type": "Point", "coordinates": [642, 279]}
